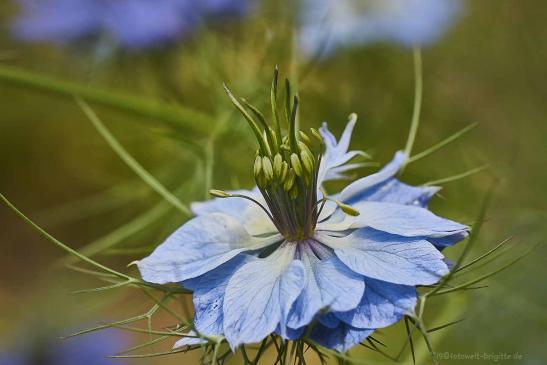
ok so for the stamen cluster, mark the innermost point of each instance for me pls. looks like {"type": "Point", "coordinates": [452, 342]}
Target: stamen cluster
{"type": "Point", "coordinates": [286, 166]}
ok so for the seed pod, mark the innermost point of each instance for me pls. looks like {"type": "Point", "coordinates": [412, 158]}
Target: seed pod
{"type": "Point", "coordinates": [296, 165]}
{"type": "Point", "coordinates": [278, 166]}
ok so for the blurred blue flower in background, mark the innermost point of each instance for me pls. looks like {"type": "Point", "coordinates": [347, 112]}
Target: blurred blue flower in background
{"type": "Point", "coordinates": [255, 270]}
{"type": "Point", "coordinates": [330, 24]}
{"type": "Point", "coordinates": [89, 349]}
{"type": "Point", "coordinates": [132, 24]}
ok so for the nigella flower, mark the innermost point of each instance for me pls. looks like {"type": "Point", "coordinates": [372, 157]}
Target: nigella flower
{"type": "Point", "coordinates": [90, 349]}
{"type": "Point", "coordinates": [330, 24]}
{"type": "Point", "coordinates": [284, 258]}
{"type": "Point", "coordinates": [132, 24]}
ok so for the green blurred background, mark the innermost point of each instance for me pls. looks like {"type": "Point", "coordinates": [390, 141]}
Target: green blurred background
{"type": "Point", "coordinates": [490, 69]}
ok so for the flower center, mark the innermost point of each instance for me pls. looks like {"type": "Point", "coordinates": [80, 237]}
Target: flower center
{"type": "Point", "coordinates": [286, 167]}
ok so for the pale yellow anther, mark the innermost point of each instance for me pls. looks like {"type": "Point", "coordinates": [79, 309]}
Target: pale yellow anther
{"type": "Point", "coordinates": [316, 134]}
{"type": "Point", "coordinates": [278, 166]}
{"type": "Point", "coordinates": [267, 168]}
{"type": "Point", "coordinates": [289, 181]}
{"type": "Point", "coordinates": [296, 165]}
{"type": "Point", "coordinates": [258, 166]}
{"type": "Point", "coordinates": [219, 193]}
{"type": "Point", "coordinates": [284, 171]}
{"type": "Point", "coordinates": [307, 160]}
{"type": "Point", "coordinates": [304, 137]}
{"type": "Point", "coordinates": [348, 209]}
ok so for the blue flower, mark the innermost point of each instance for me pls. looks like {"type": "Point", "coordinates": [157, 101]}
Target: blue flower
{"type": "Point", "coordinates": [227, 8]}
{"type": "Point", "coordinates": [90, 349]}
{"type": "Point", "coordinates": [132, 24]}
{"type": "Point", "coordinates": [331, 24]}
{"type": "Point", "coordinates": [280, 257]}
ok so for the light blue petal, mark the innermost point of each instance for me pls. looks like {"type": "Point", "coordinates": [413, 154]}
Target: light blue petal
{"type": "Point", "coordinates": [329, 320]}
{"type": "Point", "coordinates": [382, 305]}
{"type": "Point", "coordinates": [192, 340]}
{"type": "Point", "coordinates": [403, 220]}
{"type": "Point", "coordinates": [394, 191]}
{"type": "Point", "coordinates": [336, 156]}
{"type": "Point", "coordinates": [391, 258]}
{"type": "Point", "coordinates": [208, 296]}
{"type": "Point", "coordinates": [289, 333]}
{"type": "Point", "coordinates": [328, 25]}
{"type": "Point", "coordinates": [341, 338]}
{"type": "Point", "coordinates": [247, 213]}
{"type": "Point", "coordinates": [197, 247]}
{"type": "Point", "coordinates": [260, 294]}
{"type": "Point", "coordinates": [359, 186]}
{"type": "Point", "coordinates": [444, 242]}
{"type": "Point", "coordinates": [330, 284]}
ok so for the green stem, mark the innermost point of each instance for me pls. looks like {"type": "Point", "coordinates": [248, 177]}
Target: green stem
{"type": "Point", "coordinates": [418, 92]}
{"type": "Point", "coordinates": [62, 245]}
{"type": "Point", "coordinates": [130, 161]}
{"type": "Point", "coordinates": [177, 117]}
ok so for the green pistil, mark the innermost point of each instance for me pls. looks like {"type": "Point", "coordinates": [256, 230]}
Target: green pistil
{"type": "Point", "coordinates": [286, 166]}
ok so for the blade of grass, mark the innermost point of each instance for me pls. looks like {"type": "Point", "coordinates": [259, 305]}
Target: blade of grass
{"type": "Point", "coordinates": [156, 354]}
{"type": "Point", "coordinates": [84, 258]}
{"type": "Point", "coordinates": [144, 345]}
{"type": "Point", "coordinates": [438, 328]}
{"type": "Point", "coordinates": [441, 144]}
{"type": "Point", "coordinates": [418, 94]}
{"type": "Point", "coordinates": [457, 177]}
{"type": "Point", "coordinates": [484, 255]}
{"type": "Point", "coordinates": [470, 243]}
{"type": "Point", "coordinates": [486, 276]}
{"type": "Point", "coordinates": [119, 234]}
{"type": "Point", "coordinates": [95, 204]}
{"type": "Point", "coordinates": [129, 160]}
{"type": "Point", "coordinates": [62, 245]}
{"type": "Point", "coordinates": [179, 118]}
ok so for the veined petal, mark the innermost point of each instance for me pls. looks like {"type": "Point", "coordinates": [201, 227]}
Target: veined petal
{"type": "Point", "coordinates": [386, 257]}
{"type": "Point", "coordinates": [341, 338]}
{"type": "Point", "coordinates": [362, 184]}
{"type": "Point", "coordinates": [208, 296]}
{"type": "Point", "coordinates": [199, 246]}
{"type": "Point", "coordinates": [330, 284]}
{"type": "Point", "coordinates": [260, 294]}
{"type": "Point", "coordinates": [329, 320]}
{"type": "Point", "coordinates": [444, 242]}
{"type": "Point", "coordinates": [247, 213]}
{"type": "Point", "coordinates": [191, 340]}
{"type": "Point", "coordinates": [289, 333]}
{"type": "Point", "coordinates": [336, 153]}
{"type": "Point", "coordinates": [382, 305]}
{"type": "Point", "coordinates": [394, 191]}
{"type": "Point", "coordinates": [403, 220]}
